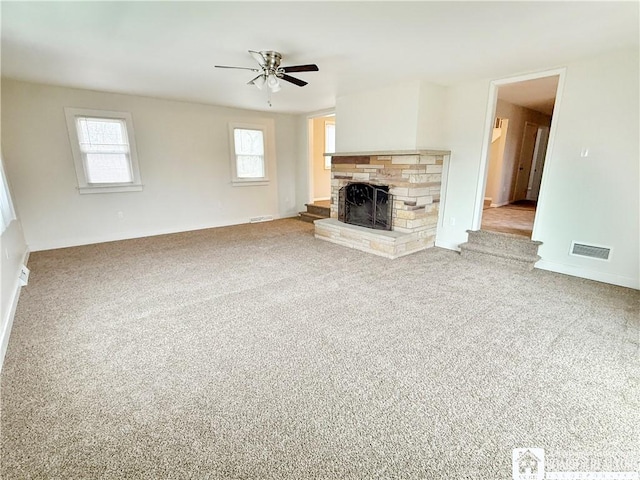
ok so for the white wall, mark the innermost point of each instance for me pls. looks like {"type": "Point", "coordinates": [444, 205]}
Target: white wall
{"type": "Point", "coordinates": [430, 129]}
{"type": "Point", "coordinates": [13, 253]}
{"type": "Point", "coordinates": [464, 132]}
{"type": "Point", "coordinates": [183, 150]}
{"type": "Point", "coordinates": [593, 200]}
{"type": "Point", "coordinates": [375, 120]}
{"type": "Point", "coordinates": [303, 180]}
{"type": "Point", "coordinates": [407, 116]}
{"type": "Point", "coordinates": [288, 160]}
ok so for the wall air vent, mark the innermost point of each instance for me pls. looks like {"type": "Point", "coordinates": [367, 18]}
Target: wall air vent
{"type": "Point", "coordinates": [591, 251]}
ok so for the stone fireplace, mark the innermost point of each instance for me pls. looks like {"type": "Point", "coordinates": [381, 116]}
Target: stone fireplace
{"type": "Point", "coordinates": [410, 183]}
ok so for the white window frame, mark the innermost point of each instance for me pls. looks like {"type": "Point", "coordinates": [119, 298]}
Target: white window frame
{"type": "Point", "coordinates": [268, 142]}
{"type": "Point", "coordinates": [83, 185]}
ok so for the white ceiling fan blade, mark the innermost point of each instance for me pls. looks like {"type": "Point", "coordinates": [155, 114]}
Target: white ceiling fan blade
{"type": "Point", "coordinates": [257, 56]}
{"type": "Point", "coordinates": [237, 68]}
{"type": "Point", "coordinates": [259, 81]}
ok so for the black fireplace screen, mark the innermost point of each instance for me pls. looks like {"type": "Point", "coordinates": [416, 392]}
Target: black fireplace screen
{"type": "Point", "coordinates": [366, 205]}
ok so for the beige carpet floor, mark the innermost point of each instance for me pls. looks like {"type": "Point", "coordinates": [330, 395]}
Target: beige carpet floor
{"type": "Point", "coordinates": [259, 352]}
{"type": "Point", "coordinates": [514, 218]}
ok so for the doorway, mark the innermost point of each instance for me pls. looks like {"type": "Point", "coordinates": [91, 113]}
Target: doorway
{"type": "Point", "coordinates": [516, 153]}
{"type": "Point", "coordinates": [321, 141]}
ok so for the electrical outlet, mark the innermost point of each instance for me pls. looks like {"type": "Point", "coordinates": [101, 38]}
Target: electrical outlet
{"type": "Point", "coordinates": [120, 215]}
{"type": "Point", "coordinates": [262, 218]}
{"type": "Point", "coordinates": [452, 221]}
{"type": "Point", "coordinates": [24, 275]}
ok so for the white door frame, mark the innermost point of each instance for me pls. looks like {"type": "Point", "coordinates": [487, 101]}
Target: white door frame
{"type": "Point", "coordinates": [488, 129]}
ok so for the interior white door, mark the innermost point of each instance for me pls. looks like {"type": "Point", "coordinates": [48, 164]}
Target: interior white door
{"type": "Point", "coordinates": [526, 159]}
{"type": "Point", "coordinates": [539, 156]}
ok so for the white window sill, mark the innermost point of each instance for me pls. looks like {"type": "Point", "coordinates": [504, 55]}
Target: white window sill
{"type": "Point", "coordinates": [110, 189]}
{"type": "Point", "coordinates": [250, 183]}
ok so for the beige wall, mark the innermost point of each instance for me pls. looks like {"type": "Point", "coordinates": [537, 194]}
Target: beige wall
{"type": "Point", "coordinates": [321, 176]}
{"type": "Point", "coordinates": [185, 164]}
{"type": "Point", "coordinates": [496, 159]}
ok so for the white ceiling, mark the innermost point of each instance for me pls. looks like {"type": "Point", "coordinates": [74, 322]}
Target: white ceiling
{"type": "Point", "coordinates": [168, 49]}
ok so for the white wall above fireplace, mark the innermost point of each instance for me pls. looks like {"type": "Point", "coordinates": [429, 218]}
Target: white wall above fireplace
{"type": "Point", "coordinates": [407, 116]}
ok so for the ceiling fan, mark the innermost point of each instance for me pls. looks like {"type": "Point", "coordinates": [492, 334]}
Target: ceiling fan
{"type": "Point", "coordinates": [270, 71]}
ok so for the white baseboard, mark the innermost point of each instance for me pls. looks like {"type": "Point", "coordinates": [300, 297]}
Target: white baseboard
{"type": "Point", "coordinates": [448, 245]}
{"type": "Point", "coordinates": [320, 199]}
{"type": "Point", "coordinates": [76, 242]}
{"type": "Point", "coordinates": [8, 322]}
{"type": "Point", "coordinates": [501, 204]}
{"type": "Point", "coordinates": [613, 279]}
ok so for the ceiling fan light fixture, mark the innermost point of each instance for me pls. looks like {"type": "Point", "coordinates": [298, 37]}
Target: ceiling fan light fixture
{"type": "Point", "coordinates": [273, 83]}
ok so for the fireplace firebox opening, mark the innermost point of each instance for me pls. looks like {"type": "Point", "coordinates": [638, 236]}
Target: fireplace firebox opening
{"type": "Point", "coordinates": [366, 205]}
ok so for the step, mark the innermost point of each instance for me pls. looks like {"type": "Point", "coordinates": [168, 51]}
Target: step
{"type": "Point", "coordinates": [506, 242]}
{"type": "Point", "coordinates": [320, 210]}
{"type": "Point", "coordinates": [309, 217]}
{"type": "Point", "coordinates": [496, 255]}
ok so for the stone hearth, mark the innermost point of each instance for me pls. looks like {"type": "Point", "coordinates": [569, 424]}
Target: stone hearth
{"type": "Point", "coordinates": [414, 179]}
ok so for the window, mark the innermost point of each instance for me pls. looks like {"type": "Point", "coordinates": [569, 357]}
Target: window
{"type": "Point", "coordinates": [7, 214]}
{"type": "Point", "coordinates": [329, 142]}
{"type": "Point", "coordinates": [249, 152]}
{"type": "Point", "coordinates": [249, 148]}
{"type": "Point", "coordinates": [103, 150]}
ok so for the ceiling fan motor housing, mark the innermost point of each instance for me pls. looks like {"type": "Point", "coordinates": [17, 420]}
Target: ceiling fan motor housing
{"type": "Point", "coordinates": [271, 60]}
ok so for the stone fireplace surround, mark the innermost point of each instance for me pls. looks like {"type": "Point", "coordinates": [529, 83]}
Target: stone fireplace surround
{"type": "Point", "coordinates": [414, 178]}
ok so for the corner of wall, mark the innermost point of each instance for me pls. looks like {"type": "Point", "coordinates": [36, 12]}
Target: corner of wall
{"type": "Point", "coordinates": [11, 285]}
